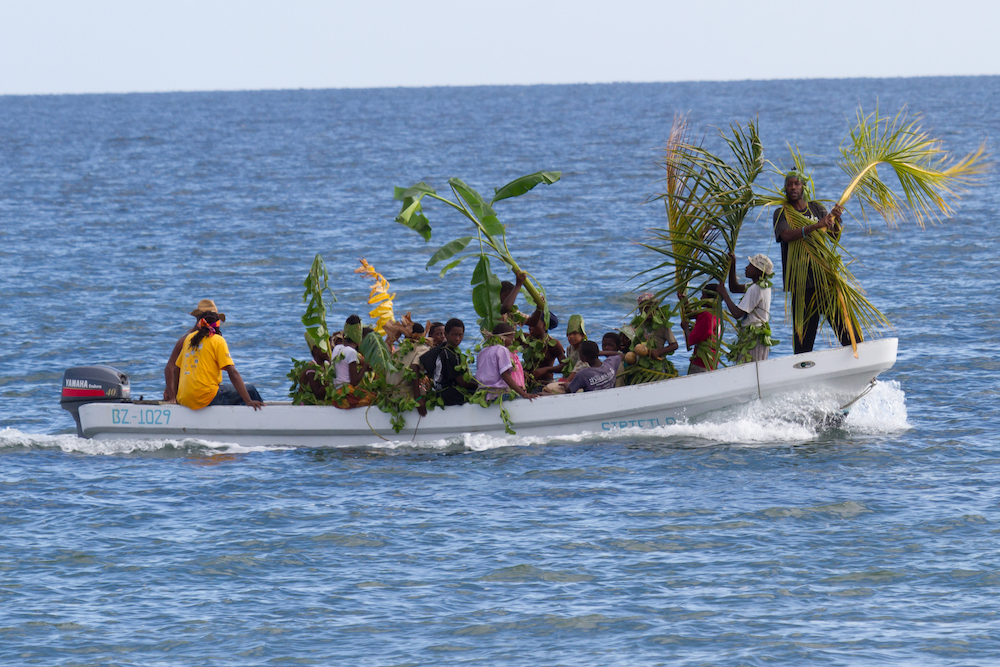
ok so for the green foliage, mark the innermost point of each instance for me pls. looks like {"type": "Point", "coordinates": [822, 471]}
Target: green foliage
{"type": "Point", "coordinates": [491, 234]}
{"type": "Point", "coordinates": [314, 319]}
{"type": "Point", "coordinates": [642, 330]}
{"type": "Point", "coordinates": [302, 394]}
{"type": "Point", "coordinates": [377, 354]}
{"type": "Point", "coordinates": [749, 337]}
{"type": "Point", "coordinates": [486, 294]}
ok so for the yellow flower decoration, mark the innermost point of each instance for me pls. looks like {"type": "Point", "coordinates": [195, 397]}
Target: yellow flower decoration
{"type": "Point", "coordinates": [379, 295]}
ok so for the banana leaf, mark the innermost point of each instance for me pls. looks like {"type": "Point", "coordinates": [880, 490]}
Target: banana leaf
{"type": "Point", "coordinates": [314, 319]}
{"type": "Point", "coordinates": [490, 232]}
{"type": "Point", "coordinates": [377, 354]}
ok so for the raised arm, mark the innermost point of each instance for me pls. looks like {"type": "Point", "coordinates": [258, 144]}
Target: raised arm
{"type": "Point", "coordinates": [734, 282]}
{"type": "Point", "coordinates": [733, 308]}
{"type": "Point", "coordinates": [508, 303]}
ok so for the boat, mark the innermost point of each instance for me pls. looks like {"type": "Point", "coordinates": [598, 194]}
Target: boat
{"type": "Point", "coordinates": [99, 397]}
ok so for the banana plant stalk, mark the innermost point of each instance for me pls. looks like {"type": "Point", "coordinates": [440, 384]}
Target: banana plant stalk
{"type": "Point", "coordinates": [314, 319]}
{"type": "Point", "coordinates": [491, 235]}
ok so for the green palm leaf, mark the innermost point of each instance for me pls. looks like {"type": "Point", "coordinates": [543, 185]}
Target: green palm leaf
{"type": "Point", "coordinates": [926, 173]}
{"type": "Point", "coordinates": [706, 200]}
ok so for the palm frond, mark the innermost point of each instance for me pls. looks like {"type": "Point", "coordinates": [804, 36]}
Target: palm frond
{"type": "Point", "coordinates": [927, 175]}
{"type": "Point", "coordinates": [706, 201]}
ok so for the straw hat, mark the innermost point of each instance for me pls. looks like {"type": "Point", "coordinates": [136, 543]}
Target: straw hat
{"type": "Point", "coordinates": [762, 262]}
{"type": "Point", "coordinates": [207, 306]}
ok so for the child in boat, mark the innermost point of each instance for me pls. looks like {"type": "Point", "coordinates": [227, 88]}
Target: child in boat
{"type": "Point", "coordinates": [443, 366]}
{"type": "Point", "coordinates": [753, 337]}
{"type": "Point", "coordinates": [435, 334]}
{"type": "Point", "coordinates": [542, 351]}
{"type": "Point", "coordinates": [309, 377]}
{"type": "Point", "coordinates": [509, 312]}
{"type": "Point", "coordinates": [575, 334]}
{"type": "Point", "coordinates": [204, 356]}
{"type": "Point", "coordinates": [408, 357]}
{"type": "Point", "coordinates": [498, 367]}
{"type": "Point", "coordinates": [349, 367]}
{"type": "Point", "coordinates": [345, 355]}
{"type": "Point", "coordinates": [707, 332]}
{"type": "Point", "coordinates": [596, 375]}
{"type": "Point", "coordinates": [611, 345]}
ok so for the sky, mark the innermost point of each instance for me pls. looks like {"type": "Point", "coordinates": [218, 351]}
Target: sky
{"type": "Point", "coordinates": [100, 46]}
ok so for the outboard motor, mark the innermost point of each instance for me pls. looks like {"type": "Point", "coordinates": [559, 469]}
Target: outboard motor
{"type": "Point", "coordinates": [93, 384]}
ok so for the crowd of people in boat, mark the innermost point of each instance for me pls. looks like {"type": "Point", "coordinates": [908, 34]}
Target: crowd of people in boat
{"type": "Point", "coordinates": [431, 363]}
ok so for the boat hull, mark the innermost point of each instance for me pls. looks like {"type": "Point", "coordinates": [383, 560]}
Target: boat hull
{"type": "Point", "coordinates": [835, 372]}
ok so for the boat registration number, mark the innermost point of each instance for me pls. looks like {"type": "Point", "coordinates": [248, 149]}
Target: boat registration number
{"type": "Point", "coordinates": [640, 423]}
{"type": "Point", "coordinates": [140, 417]}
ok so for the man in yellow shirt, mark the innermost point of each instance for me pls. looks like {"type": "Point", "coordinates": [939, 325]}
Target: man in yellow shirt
{"type": "Point", "coordinates": [205, 355]}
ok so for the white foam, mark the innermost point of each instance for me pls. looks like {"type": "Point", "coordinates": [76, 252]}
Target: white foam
{"type": "Point", "coordinates": [69, 443]}
{"type": "Point", "coordinates": [882, 410]}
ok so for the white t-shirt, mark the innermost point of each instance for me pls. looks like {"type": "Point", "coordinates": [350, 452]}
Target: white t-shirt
{"type": "Point", "coordinates": [756, 303]}
{"type": "Point", "coordinates": [343, 367]}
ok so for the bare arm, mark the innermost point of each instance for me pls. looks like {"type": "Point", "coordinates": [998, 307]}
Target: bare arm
{"type": "Point", "coordinates": [237, 380]}
{"type": "Point", "coordinates": [509, 379]}
{"type": "Point", "coordinates": [733, 308]}
{"type": "Point", "coordinates": [508, 303]}
{"type": "Point", "coordinates": [172, 372]}
{"type": "Point", "coordinates": [734, 282]}
{"type": "Point", "coordinates": [354, 373]}
{"type": "Point", "coordinates": [830, 221]}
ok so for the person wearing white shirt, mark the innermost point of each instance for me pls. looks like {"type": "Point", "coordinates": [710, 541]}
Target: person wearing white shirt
{"type": "Point", "coordinates": [753, 337]}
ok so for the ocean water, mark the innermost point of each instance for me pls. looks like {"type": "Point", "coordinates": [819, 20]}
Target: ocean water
{"type": "Point", "coordinates": [757, 535]}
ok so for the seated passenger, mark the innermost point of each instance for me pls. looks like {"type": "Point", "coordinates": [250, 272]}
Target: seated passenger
{"type": "Point", "coordinates": [509, 312]}
{"type": "Point", "coordinates": [498, 366]}
{"type": "Point", "coordinates": [435, 334]}
{"type": "Point", "coordinates": [204, 356]}
{"type": "Point", "coordinates": [611, 344]}
{"type": "Point", "coordinates": [597, 375]}
{"type": "Point", "coordinates": [408, 357]}
{"type": "Point", "coordinates": [574, 335]}
{"type": "Point", "coordinates": [542, 350]}
{"type": "Point", "coordinates": [707, 332]}
{"type": "Point", "coordinates": [345, 355]}
{"type": "Point", "coordinates": [170, 371]}
{"type": "Point", "coordinates": [309, 377]}
{"type": "Point", "coordinates": [441, 364]}
{"type": "Point", "coordinates": [651, 326]}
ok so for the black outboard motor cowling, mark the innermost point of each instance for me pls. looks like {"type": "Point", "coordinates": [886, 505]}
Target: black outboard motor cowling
{"type": "Point", "coordinates": [93, 384]}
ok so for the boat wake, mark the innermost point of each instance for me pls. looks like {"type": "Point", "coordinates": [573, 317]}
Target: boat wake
{"type": "Point", "coordinates": [782, 420]}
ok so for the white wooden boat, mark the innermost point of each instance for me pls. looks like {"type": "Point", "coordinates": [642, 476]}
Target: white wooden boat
{"type": "Point", "coordinates": [835, 372]}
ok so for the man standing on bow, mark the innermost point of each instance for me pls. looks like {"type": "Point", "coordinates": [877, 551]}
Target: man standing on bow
{"type": "Point", "coordinates": [786, 232]}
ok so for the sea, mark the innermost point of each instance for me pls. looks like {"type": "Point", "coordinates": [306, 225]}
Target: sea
{"type": "Point", "coordinates": [761, 535]}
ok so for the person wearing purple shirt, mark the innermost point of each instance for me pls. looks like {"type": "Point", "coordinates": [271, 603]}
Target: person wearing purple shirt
{"type": "Point", "coordinates": [596, 376]}
{"type": "Point", "coordinates": [497, 367]}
